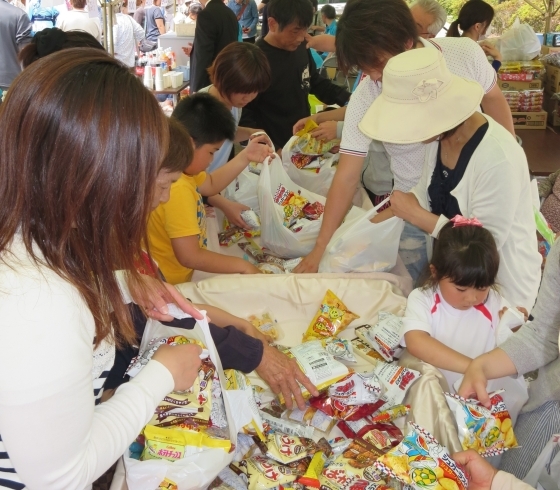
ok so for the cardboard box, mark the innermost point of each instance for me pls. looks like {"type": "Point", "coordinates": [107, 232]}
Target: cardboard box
{"type": "Point", "coordinates": [549, 49]}
{"type": "Point", "coordinates": [517, 86]}
{"type": "Point", "coordinates": [552, 109]}
{"type": "Point", "coordinates": [529, 120]}
{"type": "Point", "coordinates": [552, 80]}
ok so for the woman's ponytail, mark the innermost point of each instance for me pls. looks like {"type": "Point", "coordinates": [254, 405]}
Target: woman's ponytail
{"type": "Point", "coordinates": [453, 30]}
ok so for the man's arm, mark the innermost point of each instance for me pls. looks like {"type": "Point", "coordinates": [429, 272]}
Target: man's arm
{"type": "Point", "coordinates": [160, 25]}
{"type": "Point", "coordinates": [23, 32]}
{"type": "Point", "coordinates": [495, 105]}
{"type": "Point", "coordinates": [325, 90]}
{"type": "Point", "coordinates": [254, 12]}
{"type": "Point", "coordinates": [189, 254]}
{"type": "Point", "coordinates": [339, 200]}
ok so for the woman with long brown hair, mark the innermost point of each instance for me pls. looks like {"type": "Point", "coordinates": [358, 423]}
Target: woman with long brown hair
{"type": "Point", "coordinates": [81, 141]}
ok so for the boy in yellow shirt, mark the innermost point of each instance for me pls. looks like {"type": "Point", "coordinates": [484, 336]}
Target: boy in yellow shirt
{"type": "Point", "coordinates": [177, 229]}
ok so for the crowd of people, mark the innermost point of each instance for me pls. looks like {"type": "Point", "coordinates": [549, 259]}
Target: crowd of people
{"type": "Point", "coordinates": [103, 210]}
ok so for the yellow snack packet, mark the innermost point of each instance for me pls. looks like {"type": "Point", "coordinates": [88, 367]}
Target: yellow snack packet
{"type": "Point", "coordinates": [310, 125]}
{"type": "Point", "coordinates": [331, 319]}
{"type": "Point", "coordinates": [174, 444]}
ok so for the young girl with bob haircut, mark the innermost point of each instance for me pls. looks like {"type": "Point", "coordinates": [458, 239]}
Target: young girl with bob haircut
{"type": "Point", "coordinates": [239, 73]}
{"type": "Point", "coordinates": [77, 179]}
{"type": "Point", "coordinates": [455, 316]}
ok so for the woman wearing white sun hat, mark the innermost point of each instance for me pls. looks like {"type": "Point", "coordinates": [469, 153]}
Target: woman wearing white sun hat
{"type": "Point", "coordinates": [473, 166]}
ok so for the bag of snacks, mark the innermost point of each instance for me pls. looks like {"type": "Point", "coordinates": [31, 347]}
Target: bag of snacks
{"type": "Point", "coordinates": [487, 431]}
{"type": "Point", "coordinates": [317, 364]}
{"type": "Point", "coordinates": [331, 319]}
{"type": "Point", "coordinates": [359, 245]}
{"type": "Point", "coordinates": [421, 462]}
{"type": "Point", "coordinates": [266, 324]}
{"type": "Point", "coordinates": [189, 442]}
{"type": "Point", "coordinates": [384, 336]}
{"type": "Point", "coordinates": [244, 190]}
{"type": "Point", "coordinates": [274, 187]}
{"type": "Point", "coordinates": [314, 172]}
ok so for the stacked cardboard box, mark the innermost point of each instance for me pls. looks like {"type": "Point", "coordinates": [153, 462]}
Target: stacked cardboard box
{"type": "Point", "coordinates": [522, 85]}
{"type": "Point", "coordinates": [551, 87]}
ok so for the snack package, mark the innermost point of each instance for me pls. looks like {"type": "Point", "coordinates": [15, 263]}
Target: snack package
{"type": "Point", "coordinates": [340, 349]}
{"type": "Point", "coordinates": [227, 479]}
{"type": "Point", "coordinates": [356, 389]}
{"type": "Point", "coordinates": [262, 473]}
{"type": "Point", "coordinates": [251, 218]}
{"type": "Point", "coordinates": [190, 408]}
{"type": "Point", "coordinates": [303, 161]}
{"type": "Point", "coordinates": [286, 449]}
{"type": "Point", "coordinates": [291, 264]}
{"type": "Point", "coordinates": [331, 319]}
{"type": "Point", "coordinates": [317, 364]}
{"type": "Point", "coordinates": [307, 145]}
{"type": "Point", "coordinates": [396, 381]}
{"type": "Point", "coordinates": [270, 269]}
{"type": "Point", "coordinates": [274, 422]}
{"type": "Point", "coordinates": [236, 380]}
{"type": "Point", "coordinates": [384, 336]}
{"type": "Point", "coordinates": [421, 462]}
{"type": "Point", "coordinates": [230, 236]}
{"type": "Point", "coordinates": [382, 436]}
{"type": "Point", "coordinates": [391, 414]}
{"type": "Point", "coordinates": [313, 210]}
{"type": "Point", "coordinates": [266, 324]}
{"type": "Point", "coordinates": [174, 444]}
{"type": "Point", "coordinates": [489, 432]}
{"type": "Point", "coordinates": [311, 476]}
{"type": "Point", "coordinates": [365, 351]}
{"type": "Point", "coordinates": [312, 417]}
{"type": "Point", "coordinates": [355, 462]}
{"type": "Point", "coordinates": [138, 362]}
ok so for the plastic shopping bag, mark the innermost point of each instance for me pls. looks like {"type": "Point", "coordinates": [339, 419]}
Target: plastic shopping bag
{"type": "Point", "coordinates": [545, 473]}
{"type": "Point", "coordinates": [315, 180]}
{"type": "Point", "coordinates": [519, 43]}
{"type": "Point", "coordinates": [274, 235]}
{"type": "Point", "coordinates": [198, 470]}
{"type": "Point", "coordinates": [362, 246]}
{"type": "Point", "coordinates": [244, 190]}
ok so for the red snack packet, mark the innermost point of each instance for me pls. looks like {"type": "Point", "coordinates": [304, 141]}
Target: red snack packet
{"type": "Point", "coordinates": [313, 211]}
{"type": "Point", "coordinates": [381, 436]}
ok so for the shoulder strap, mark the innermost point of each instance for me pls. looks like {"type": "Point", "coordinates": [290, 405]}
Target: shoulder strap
{"type": "Point", "coordinates": [240, 14]}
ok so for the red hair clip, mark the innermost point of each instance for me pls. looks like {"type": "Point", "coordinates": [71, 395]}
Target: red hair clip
{"type": "Point", "coordinates": [462, 221]}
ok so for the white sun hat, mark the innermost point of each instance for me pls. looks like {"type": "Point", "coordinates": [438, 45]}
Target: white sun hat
{"type": "Point", "coordinates": [421, 99]}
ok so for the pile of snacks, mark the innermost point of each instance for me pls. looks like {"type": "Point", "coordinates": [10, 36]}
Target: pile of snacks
{"type": "Point", "coordinates": [309, 153]}
{"type": "Point", "coordinates": [521, 71]}
{"type": "Point", "coordinates": [298, 211]}
{"type": "Point", "coordinates": [233, 234]}
{"type": "Point", "coordinates": [267, 262]}
{"type": "Point", "coordinates": [289, 448]}
{"type": "Point", "coordinates": [183, 423]}
{"type": "Point", "coordinates": [525, 100]}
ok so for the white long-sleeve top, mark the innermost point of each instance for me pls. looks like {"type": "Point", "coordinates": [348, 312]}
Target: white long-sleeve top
{"type": "Point", "coordinates": [52, 435]}
{"type": "Point", "coordinates": [496, 189]}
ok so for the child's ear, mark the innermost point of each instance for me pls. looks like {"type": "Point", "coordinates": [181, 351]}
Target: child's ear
{"type": "Point", "coordinates": [432, 270]}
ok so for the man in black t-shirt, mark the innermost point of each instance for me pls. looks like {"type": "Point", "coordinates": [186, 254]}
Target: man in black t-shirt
{"type": "Point", "coordinates": [294, 74]}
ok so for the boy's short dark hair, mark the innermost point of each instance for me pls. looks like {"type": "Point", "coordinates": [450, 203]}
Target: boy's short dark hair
{"type": "Point", "coordinates": [240, 68]}
{"type": "Point", "coordinates": [368, 30]}
{"type": "Point", "coordinates": [207, 120]}
{"type": "Point", "coordinates": [328, 11]}
{"type": "Point", "coordinates": [181, 152]}
{"type": "Point", "coordinates": [287, 12]}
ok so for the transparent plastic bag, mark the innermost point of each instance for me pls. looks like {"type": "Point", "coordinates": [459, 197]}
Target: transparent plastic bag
{"type": "Point", "coordinates": [519, 43]}
{"type": "Point", "coordinates": [362, 246]}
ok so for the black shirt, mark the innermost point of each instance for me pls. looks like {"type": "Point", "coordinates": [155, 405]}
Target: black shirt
{"type": "Point", "coordinates": [294, 77]}
{"type": "Point", "coordinates": [444, 180]}
{"type": "Point", "coordinates": [216, 27]}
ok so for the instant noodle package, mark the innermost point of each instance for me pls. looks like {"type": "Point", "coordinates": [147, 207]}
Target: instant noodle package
{"type": "Point", "coordinates": [487, 431]}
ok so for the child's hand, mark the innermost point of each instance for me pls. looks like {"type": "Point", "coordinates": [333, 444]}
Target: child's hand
{"type": "Point", "coordinates": [232, 212]}
{"type": "Point", "coordinates": [258, 149]}
{"type": "Point", "coordinates": [480, 472]}
{"type": "Point", "coordinates": [524, 311]}
{"type": "Point", "coordinates": [474, 383]}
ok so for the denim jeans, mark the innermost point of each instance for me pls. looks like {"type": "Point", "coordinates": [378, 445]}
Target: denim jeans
{"type": "Point", "coordinates": [412, 249]}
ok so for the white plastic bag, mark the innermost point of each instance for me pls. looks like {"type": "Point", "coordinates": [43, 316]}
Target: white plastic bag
{"type": "Point", "coordinates": [362, 246]}
{"type": "Point", "coordinates": [519, 43]}
{"type": "Point", "coordinates": [244, 190]}
{"type": "Point", "coordinates": [274, 235]}
{"type": "Point", "coordinates": [319, 182]}
{"type": "Point", "coordinates": [196, 471]}
{"type": "Point", "coordinates": [545, 473]}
